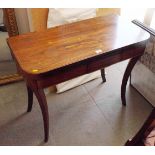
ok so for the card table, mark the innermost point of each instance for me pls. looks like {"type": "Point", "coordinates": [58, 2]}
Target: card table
{"type": "Point", "coordinates": [64, 52]}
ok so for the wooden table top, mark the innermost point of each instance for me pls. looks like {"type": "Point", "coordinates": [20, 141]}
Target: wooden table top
{"type": "Point", "coordinates": [40, 52]}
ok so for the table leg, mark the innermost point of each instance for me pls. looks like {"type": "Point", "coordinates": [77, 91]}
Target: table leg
{"type": "Point", "coordinates": [127, 73]}
{"type": "Point", "coordinates": [103, 75]}
{"type": "Point", "coordinates": [30, 98]}
{"type": "Point", "coordinates": [44, 109]}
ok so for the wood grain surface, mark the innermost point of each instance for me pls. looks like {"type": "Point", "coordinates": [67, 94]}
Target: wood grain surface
{"type": "Point", "coordinates": [40, 52]}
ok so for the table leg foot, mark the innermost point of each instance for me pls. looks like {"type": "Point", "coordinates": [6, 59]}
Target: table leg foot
{"type": "Point", "coordinates": [127, 73]}
{"type": "Point", "coordinates": [103, 75]}
{"type": "Point", "coordinates": [44, 109]}
{"type": "Point", "coordinates": [30, 99]}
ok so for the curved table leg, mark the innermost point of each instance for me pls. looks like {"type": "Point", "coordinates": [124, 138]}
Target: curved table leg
{"type": "Point", "coordinates": [103, 75]}
{"type": "Point", "coordinates": [44, 109]}
{"type": "Point", "coordinates": [30, 98]}
{"type": "Point", "coordinates": [127, 73]}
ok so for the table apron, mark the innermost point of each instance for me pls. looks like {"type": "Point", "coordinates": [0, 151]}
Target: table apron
{"type": "Point", "coordinates": [92, 65]}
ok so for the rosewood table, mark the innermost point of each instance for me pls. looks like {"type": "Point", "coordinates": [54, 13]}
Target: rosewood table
{"type": "Point", "coordinates": [58, 54]}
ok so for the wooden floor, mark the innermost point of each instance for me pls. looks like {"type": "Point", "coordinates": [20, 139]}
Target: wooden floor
{"type": "Point", "coordinates": [91, 114]}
